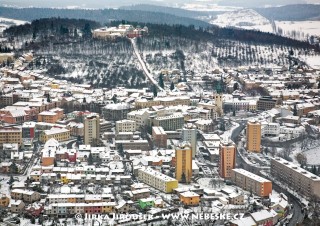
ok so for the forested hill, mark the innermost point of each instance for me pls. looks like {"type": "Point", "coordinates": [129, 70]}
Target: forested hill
{"type": "Point", "coordinates": [67, 27]}
{"type": "Point", "coordinates": [65, 48]}
{"type": "Point", "coordinates": [291, 12]}
{"type": "Point", "coordinates": [217, 33]}
{"type": "Point", "coordinates": [53, 26]}
{"type": "Point", "coordinates": [100, 15]}
{"type": "Point", "coordinates": [170, 10]}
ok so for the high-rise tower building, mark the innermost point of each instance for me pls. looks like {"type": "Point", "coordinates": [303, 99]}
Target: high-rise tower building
{"type": "Point", "coordinates": [184, 162]}
{"type": "Point", "coordinates": [253, 136]}
{"type": "Point", "coordinates": [92, 129]}
{"type": "Point", "coordinates": [227, 156]}
{"type": "Point", "coordinates": [189, 134]}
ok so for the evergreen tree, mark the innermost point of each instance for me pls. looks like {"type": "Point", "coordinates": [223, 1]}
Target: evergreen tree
{"type": "Point", "coordinates": [161, 83]}
{"type": "Point", "coordinates": [318, 85]}
{"type": "Point", "coordinates": [11, 180]}
{"type": "Point", "coordinates": [120, 150]}
{"type": "Point", "coordinates": [90, 159]}
{"type": "Point", "coordinates": [87, 30]}
{"type": "Point", "coordinates": [234, 113]}
{"type": "Point", "coordinates": [114, 98]}
{"type": "Point", "coordinates": [183, 178]}
{"type": "Point", "coordinates": [171, 86]}
{"type": "Point", "coordinates": [295, 111]}
{"type": "Point", "coordinates": [79, 138]}
{"type": "Point", "coordinates": [13, 168]}
{"type": "Point", "coordinates": [222, 127]}
{"type": "Point", "coordinates": [235, 86]}
{"type": "Point", "coordinates": [48, 98]}
{"type": "Point", "coordinates": [155, 91]}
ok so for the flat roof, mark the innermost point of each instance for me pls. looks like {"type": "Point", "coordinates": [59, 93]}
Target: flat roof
{"type": "Point", "coordinates": [296, 168]}
{"type": "Point", "coordinates": [157, 174]}
{"type": "Point", "coordinates": [251, 175]}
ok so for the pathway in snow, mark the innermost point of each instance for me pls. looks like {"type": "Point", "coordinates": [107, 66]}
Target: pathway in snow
{"type": "Point", "coordinates": [143, 65]}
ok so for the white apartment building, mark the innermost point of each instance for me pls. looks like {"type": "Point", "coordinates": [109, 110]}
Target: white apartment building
{"type": "Point", "coordinates": [295, 177]}
{"type": "Point", "coordinates": [189, 134]}
{"type": "Point", "coordinates": [169, 123]}
{"type": "Point", "coordinates": [270, 129]}
{"type": "Point", "coordinates": [292, 131]}
{"type": "Point", "coordinates": [141, 117]}
{"type": "Point", "coordinates": [125, 126]}
{"type": "Point", "coordinates": [157, 180]}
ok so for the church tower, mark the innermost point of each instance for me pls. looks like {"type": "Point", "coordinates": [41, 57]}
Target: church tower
{"type": "Point", "coordinates": [218, 97]}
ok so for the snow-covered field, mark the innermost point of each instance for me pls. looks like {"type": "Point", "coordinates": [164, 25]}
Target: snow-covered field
{"type": "Point", "coordinates": [5, 23]}
{"type": "Point", "coordinates": [300, 29]}
{"type": "Point", "coordinates": [313, 156]}
{"type": "Point", "coordinates": [251, 20]}
{"type": "Point", "coordinates": [205, 6]}
{"type": "Point", "coordinates": [244, 18]}
{"type": "Point", "coordinates": [12, 21]}
{"type": "Point", "coordinates": [312, 61]}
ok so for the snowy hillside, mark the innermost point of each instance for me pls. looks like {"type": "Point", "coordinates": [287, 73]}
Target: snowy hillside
{"type": "Point", "coordinates": [5, 23]}
{"type": "Point", "coordinates": [204, 57]}
{"type": "Point", "coordinates": [103, 64]}
{"type": "Point", "coordinates": [244, 18]}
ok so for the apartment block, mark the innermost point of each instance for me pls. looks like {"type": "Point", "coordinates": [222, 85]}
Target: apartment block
{"type": "Point", "coordinates": [157, 180]}
{"type": "Point", "coordinates": [227, 157]}
{"type": "Point", "coordinates": [125, 126]}
{"type": "Point", "coordinates": [189, 134]}
{"type": "Point", "coordinates": [25, 195]}
{"type": "Point", "coordinates": [28, 130]}
{"type": "Point", "coordinates": [55, 133]}
{"type": "Point", "coordinates": [295, 177]}
{"type": "Point", "coordinates": [141, 117]}
{"type": "Point", "coordinates": [266, 103]}
{"type": "Point", "coordinates": [10, 135]}
{"type": "Point", "coordinates": [67, 209]}
{"type": "Point", "coordinates": [254, 136]}
{"type": "Point", "coordinates": [133, 144]}
{"type": "Point", "coordinates": [115, 112]}
{"type": "Point", "coordinates": [164, 101]}
{"type": "Point", "coordinates": [92, 129]}
{"type": "Point", "coordinates": [183, 157]}
{"type": "Point", "coordinates": [251, 182]}
{"type": "Point", "coordinates": [159, 137]}
{"type": "Point", "coordinates": [48, 116]}
{"type": "Point", "coordinates": [169, 123]}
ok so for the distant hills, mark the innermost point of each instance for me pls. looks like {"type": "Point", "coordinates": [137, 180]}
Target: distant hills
{"type": "Point", "coordinates": [291, 12]}
{"type": "Point", "coordinates": [168, 10]}
{"type": "Point", "coordinates": [101, 15]}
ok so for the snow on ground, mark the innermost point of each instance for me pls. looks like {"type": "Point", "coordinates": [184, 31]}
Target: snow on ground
{"type": "Point", "coordinates": [205, 6]}
{"type": "Point", "coordinates": [313, 156]}
{"type": "Point", "coordinates": [5, 186]}
{"type": "Point", "coordinates": [313, 61]}
{"type": "Point", "coordinates": [244, 18]}
{"type": "Point", "coordinates": [12, 21]}
{"type": "Point", "coordinates": [5, 23]}
{"type": "Point", "coordinates": [300, 28]}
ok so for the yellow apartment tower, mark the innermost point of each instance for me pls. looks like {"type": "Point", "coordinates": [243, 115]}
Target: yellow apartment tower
{"type": "Point", "coordinates": [184, 163]}
{"type": "Point", "coordinates": [227, 157]}
{"type": "Point", "coordinates": [92, 129]}
{"type": "Point", "coordinates": [253, 136]}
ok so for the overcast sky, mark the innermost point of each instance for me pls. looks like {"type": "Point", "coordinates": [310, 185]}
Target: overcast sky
{"type": "Point", "coordinates": [118, 3]}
